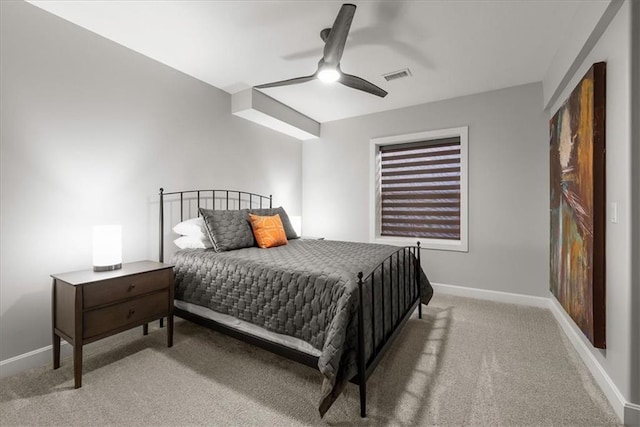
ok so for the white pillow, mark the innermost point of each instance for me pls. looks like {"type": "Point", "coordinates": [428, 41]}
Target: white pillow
{"type": "Point", "coordinates": [193, 227]}
{"type": "Point", "coordinates": [191, 242]}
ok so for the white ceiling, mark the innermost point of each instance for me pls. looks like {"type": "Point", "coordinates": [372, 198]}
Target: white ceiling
{"type": "Point", "coordinates": [452, 48]}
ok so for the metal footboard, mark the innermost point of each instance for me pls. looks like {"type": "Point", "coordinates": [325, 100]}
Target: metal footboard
{"type": "Point", "coordinates": [408, 295]}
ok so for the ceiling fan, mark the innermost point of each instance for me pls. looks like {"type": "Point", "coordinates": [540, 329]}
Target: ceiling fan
{"type": "Point", "coordinates": [329, 66]}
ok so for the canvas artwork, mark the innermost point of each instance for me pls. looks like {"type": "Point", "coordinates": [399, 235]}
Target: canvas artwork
{"type": "Point", "coordinates": [577, 156]}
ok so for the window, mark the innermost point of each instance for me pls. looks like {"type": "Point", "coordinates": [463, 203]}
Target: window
{"type": "Point", "coordinates": [419, 186]}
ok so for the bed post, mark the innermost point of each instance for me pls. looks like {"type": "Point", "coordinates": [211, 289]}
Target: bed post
{"type": "Point", "coordinates": [362, 380]}
{"type": "Point", "coordinates": [270, 201]}
{"type": "Point", "coordinates": [418, 267]}
{"type": "Point", "coordinates": [161, 235]}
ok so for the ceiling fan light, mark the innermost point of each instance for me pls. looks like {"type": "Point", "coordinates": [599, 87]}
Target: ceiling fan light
{"type": "Point", "coordinates": [328, 75]}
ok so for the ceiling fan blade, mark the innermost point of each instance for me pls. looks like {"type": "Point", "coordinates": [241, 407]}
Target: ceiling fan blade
{"type": "Point", "coordinates": [355, 82]}
{"type": "Point", "coordinates": [334, 45]}
{"type": "Point", "coordinates": [287, 82]}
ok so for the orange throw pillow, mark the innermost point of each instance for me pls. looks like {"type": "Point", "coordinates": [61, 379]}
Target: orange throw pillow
{"type": "Point", "coordinates": [268, 230]}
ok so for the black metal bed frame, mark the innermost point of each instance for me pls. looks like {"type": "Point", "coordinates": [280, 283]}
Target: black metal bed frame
{"type": "Point", "coordinates": [380, 343]}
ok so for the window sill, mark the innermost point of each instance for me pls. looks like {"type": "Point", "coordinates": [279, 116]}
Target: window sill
{"type": "Point", "coordinates": [432, 244]}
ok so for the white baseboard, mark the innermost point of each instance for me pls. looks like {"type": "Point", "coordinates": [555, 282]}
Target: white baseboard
{"type": "Point", "coordinates": [485, 294]}
{"type": "Point", "coordinates": [628, 412]}
{"type": "Point", "coordinates": [32, 359]}
{"type": "Point", "coordinates": [575, 336]}
{"type": "Point", "coordinates": [632, 415]}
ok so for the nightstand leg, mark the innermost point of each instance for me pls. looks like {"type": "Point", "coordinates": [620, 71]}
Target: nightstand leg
{"type": "Point", "coordinates": [77, 365]}
{"type": "Point", "coordinates": [170, 330]}
{"type": "Point", "coordinates": [145, 329]}
{"type": "Point", "coordinates": [56, 337]}
{"type": "Point", "coordinates": [162, 322]}
{"type": "Point", "coordinates": [56, 351]}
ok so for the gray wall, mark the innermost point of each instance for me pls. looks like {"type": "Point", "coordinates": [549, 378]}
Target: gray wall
{"type": "Point", "coordinates": [508, 185]}
{"type": "Point", "coordinates": [90, 131]}
{"type": "Point", "coordinates": [614, 48]}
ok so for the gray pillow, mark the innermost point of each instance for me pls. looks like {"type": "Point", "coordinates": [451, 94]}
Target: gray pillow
{"type": "Point", "coordinates": [286, 223]}
{"type": "Point", "coordinates": [228, 230]}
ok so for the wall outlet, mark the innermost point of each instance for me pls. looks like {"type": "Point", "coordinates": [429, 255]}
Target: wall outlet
{"type": "Point", "coordinates": [614, 212]}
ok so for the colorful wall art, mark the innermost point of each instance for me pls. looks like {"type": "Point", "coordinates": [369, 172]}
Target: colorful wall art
{"type": "Point", "coordinates": [577, 155]}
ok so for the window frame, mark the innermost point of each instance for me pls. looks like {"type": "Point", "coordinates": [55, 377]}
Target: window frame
{"type": "Point", "coordinates": [375, 209]}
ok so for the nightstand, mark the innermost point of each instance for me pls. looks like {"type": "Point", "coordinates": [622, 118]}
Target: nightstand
{"type": "Point", "coordinates": [87, 306]}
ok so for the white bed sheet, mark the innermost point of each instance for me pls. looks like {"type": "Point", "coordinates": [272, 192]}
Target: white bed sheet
{"type": "Point", "coordinates": [250, 328]}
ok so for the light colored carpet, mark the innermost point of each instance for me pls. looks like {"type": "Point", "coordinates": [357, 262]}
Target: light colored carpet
{"type": "Point", "coordinates": [467, 362]}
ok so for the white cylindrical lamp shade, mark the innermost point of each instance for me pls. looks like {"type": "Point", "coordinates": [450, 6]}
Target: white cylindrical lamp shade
{"type": "Point", "coordinates": [107, 247]}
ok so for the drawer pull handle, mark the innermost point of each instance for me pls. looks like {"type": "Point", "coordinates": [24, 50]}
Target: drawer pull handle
{"type": "Point", "coordinates": [132, 286]}
{"type": "Point", "coordinates": [131, 312]}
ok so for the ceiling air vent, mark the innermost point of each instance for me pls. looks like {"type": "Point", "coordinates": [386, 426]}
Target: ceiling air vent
{"type": "Point", "coordinates": [400, 74]}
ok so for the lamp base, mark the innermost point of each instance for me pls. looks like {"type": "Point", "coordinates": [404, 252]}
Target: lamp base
{"type": "Point", "coordinates": [107, 267]}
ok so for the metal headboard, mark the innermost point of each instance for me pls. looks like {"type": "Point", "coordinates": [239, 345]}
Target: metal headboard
{"type": "Point", "coordinates": [251, 200]}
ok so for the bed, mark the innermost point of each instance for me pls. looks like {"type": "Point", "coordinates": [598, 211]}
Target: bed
{"type": "Point", "coordinates": [335, 306]}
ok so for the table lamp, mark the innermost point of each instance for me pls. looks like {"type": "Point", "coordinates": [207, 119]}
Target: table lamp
{"type": "Point", "coordinates": [107, 247]}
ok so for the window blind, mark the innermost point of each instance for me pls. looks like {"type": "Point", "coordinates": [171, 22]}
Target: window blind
{"type": "Point", "coordinates": [420, 189]}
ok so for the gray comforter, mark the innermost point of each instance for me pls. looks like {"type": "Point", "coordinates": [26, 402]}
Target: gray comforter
{"type": "Point", "coordinates": [306, 289]}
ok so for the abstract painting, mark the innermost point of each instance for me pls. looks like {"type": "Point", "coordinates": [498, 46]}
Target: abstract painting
{"type": "Point", "coordinates": [577, 156]}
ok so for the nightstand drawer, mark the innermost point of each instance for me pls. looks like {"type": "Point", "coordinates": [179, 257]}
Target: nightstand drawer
{"type": "Point", "coordinates": [116, 316]}
{"type": "Point", "coordinates": [120, 288]}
